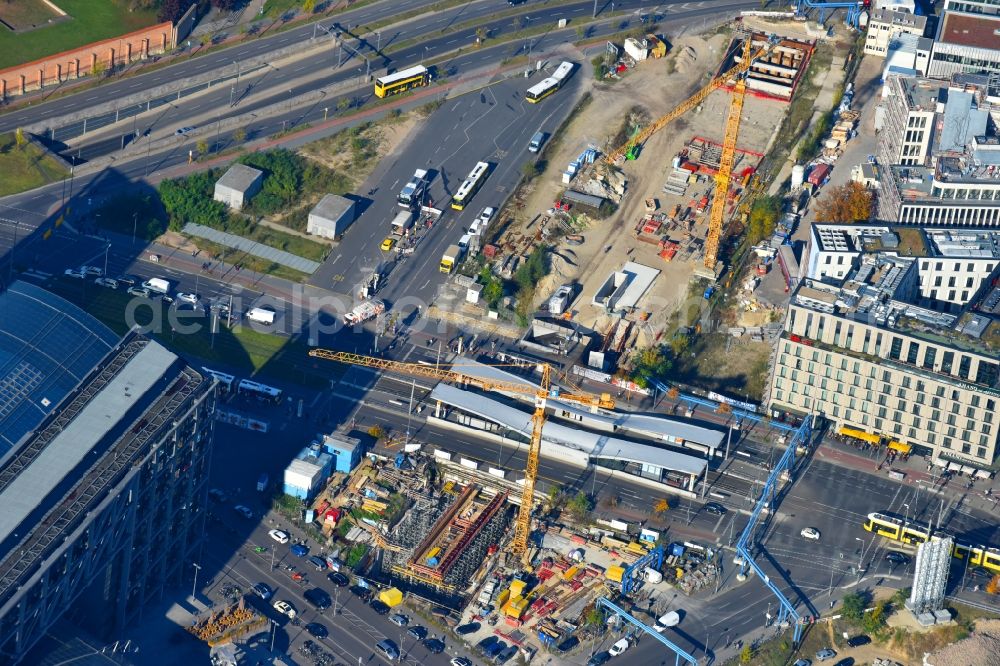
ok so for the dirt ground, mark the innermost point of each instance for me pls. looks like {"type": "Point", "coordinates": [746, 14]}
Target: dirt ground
{"type": "Point", "coordinates": [334, 152]}
{"type": "Point", "coordinates": [657, 86]}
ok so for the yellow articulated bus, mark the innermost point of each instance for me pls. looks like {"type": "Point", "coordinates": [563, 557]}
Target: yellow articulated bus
{"type": "Point", "coordinates": [471, 185]}
{"type": "Point", "coordinates": [401, 81]}
{"type": "Point", "coordinates": [546, 87]}
{"type": "Point", "coordinates": [914, 533]}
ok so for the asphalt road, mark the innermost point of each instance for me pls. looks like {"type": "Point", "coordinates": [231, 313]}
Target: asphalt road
{"type": "Point", "coordinates": [221, 59]}
{"type": "Point", "coordinates": [494, 126]}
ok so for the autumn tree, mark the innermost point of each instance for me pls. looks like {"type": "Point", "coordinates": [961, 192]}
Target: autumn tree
{"type": "Point", "coordinates": [746, 655]}
{"type": "Point", "coordinates": [20, 139]}
{"type": "Point", "coordinates": [851, 202]}
{"type": "Point", "coordinates": [674, 393]}
{"type": "Point", "coordinates": [201, 147]}
{"type": "Point", "coordinates": [239, 135]}
{"type": "Point", "coordinates": [723, 408]}
{"type": "Point", "coordinates": [661, 507]}
{"type": "Point", "coordinates": [764, 216]}
{"type": "Point", "coordinates": [309, 6]}
{"type": "Point", "coordinates": [993, 587]}
{"type": "Point", "coordinates": [376, 432]}
{"type": "Point", "coordinates": [651, 364]}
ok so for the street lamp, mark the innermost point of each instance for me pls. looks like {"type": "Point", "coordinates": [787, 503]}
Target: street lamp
{"type": "Point", "coordinates": [861, 555]}
{"type": "Point", "coordinates": [907, 515]}
{"type": "Point", "coordinates": [194, 586]}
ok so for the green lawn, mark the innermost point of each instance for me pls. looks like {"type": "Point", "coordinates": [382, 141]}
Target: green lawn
{"type": "Point", "coordinates": [27, 167]}
{"type": "Point", "coordinates": [89, 21]}
{"type": "Point", "coordinates": [242, 349]}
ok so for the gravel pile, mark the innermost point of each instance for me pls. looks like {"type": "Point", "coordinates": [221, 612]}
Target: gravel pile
{"type": "Point", "coordinates": [982, 648]}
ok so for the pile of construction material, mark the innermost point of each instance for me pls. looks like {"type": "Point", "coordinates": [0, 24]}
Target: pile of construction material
{"type": "Point", "coordinates": [610, 184]}
{"type": "Point", "coordinates": [689, 569]}
{"type": "Point", "coordinates": [686, 57]}
{"type": "Point", "coordinates": [228, 624]}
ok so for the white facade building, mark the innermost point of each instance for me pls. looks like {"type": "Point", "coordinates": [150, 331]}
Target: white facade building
{"type": "Point", "coordinates": [883, 24]}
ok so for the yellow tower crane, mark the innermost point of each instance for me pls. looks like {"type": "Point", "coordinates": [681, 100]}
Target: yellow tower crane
{"type": "Point", "coordinates": [724, 174]}
{"type": "Point", "coordinates": [542, 393]}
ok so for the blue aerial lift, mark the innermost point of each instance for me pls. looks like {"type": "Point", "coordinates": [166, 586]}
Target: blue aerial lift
{"type": "Point", "coordinates": [853, 7]}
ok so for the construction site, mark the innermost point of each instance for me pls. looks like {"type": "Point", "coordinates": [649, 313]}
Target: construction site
{"type": "Point", "coordinates": [641, 217]}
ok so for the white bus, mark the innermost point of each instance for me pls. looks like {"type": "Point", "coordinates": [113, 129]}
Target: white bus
{"type": "Point", "coordinates": [259, 391]}
{"type": "Point", "coordinates": [471, 185]}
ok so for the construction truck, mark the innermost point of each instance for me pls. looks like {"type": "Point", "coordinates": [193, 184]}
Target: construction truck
{"type": "Point", "coordinates": [402, 222]}
{"type": "Point", "coordinates": [450, 258]}
{"type": "Point", "coordinates": [364, 311]}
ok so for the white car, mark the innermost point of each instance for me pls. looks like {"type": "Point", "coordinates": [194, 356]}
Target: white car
{"type": "Point", "coordinates": [810, 533]}
{"type": "Point", "coordinates": [460, 661]}
{"type": "Point", "coordinates": [91, 270]}
{"type": "Point", "coordinates": [486, 216]}
{"type": "Point", "coordinates": [279, 536]}
{"type": "Point", "coordinates": [284, 608]}
{"type": "Point", "coordinates": [187, 298]}
{"type": "Point", "coordinates": [181, 131]}
{"type": "Point", "coordinates": [618, 647]}
{"type": "Point", "coordinates": [74, 273]}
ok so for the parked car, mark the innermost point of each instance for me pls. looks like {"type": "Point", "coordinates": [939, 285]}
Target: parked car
{"type": "Point", "coordinates": [802, 662]}
{"type": "Point", "coordinates": [183, 131]}
{"type": "Point", "coordinates": [434, 645]}
{"type": "Point", "coordinates": [505, 655]}
{"type": "Point", "coordinates": [318, 598]}
{"type": "Point", "coordinates": [399, 619]}
{"type": "Point", "coordinates": [263, 590]}
{"type": "Point", "coordinates": [106, 282]}
{"type": "Point", "coordinates": [417, 632]}
{"type": "Point", "coordinates": [243, 511]}
{"type": "Point", "coordinates": [826, 653]}
{"type": "Point", "coordinates": [338, 579]}
{"type": "Point", "coordinates": [858, 641]}
{"type": "Point", "coordinates": [217, 494]}
{"type": "Point", "coordinates": [599, 658]}
{"type": "Point", "coordinates": [810, 533]}
{"type": "Point", "coordinates": [279, 536]}
{"type": "Point", "coordinates": [466, 629]}
{"type": "Point", "coordinates": [317, 630]}
{"type": "Point", "coordinates": [361, 592]}
{"type": "Point", "coordinates": [91, 270]}
{"type": "Point", "coordinates": [318, 562]}
{"type": "Point", "coordinates": [74, 273]}
{"type": "Point", "coordinates": [141, 292]}
{"type": "Point", "coordinates": [284, 608]}
{"type": "Point", "coordinates": [379, 607]}
{"type": "Point", "coordinates": [299, 550]}
{"type": "Point", "coordinates": [388, 649]}
{"type": "Point", "coordinates": [619, 647]}
{"type": "Point", "coordinates": [846, 661]}
{"type": "Point", "coordinates": [715, 509]}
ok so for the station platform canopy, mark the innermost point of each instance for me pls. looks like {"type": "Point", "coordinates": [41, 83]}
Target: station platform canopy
{"type": "Point", "coordinates": [592, 444]}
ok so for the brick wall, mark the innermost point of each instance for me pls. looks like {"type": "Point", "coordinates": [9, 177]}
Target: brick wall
{"type": "Point", "coordinates": [80, 62]}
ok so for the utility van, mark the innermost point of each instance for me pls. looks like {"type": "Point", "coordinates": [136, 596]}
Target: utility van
{"type": "Point", "coordinates": [158, 285]}
{"type": "Point", "coordinates": [536, 142]}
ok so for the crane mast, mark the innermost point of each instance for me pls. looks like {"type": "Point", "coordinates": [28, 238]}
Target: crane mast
{"type": "Point", "coordinates": [725, 173]}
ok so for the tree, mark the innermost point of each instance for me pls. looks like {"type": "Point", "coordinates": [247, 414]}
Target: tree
{"type": "Point", "coordinates": [674, 393]}
{"type": "Point", "coordinates": [853, 607]}
{"type": "Point", "coordinates": [206, 39]}
{"type": "Point", "coordinates": [851, 202]}
{"type": "Point", "coordinates": [376, 432]}
{"type": "Point", "coordinates": [593, 618]}
{"type": "Point", "coordinates": [679, 344]}
{"type": "Point", "coordinates": [201, 147]}
{"type": "Point", "coordinates": [764, 216]}
{"type": "Point", "coordinates": [481, 34]}
{"type": "Point", "coordinates": [343, 104]}
{"type": "Point", "coordinates": [239, 135]}
{"type": "Point", "coordinates": [98, 68]}
{"type": "Point", "coordinates": [553, 494]}
{"type": "Point", "coordinates": [20, 139]}
{"type": "Point", "coordinates": [661, 507]}
{"type": "Point", "coordinates": [746, 655]}
{"type": "Point", "coordinates": [723, 408]}
{"type": "Point", "coordinates": [518, 23]}
{"type": "Point", "coordinates": [993, 587]}
{"type": "Point", "coordinates": [651, 364]}
{"type": "Point", "coordinates": [309, 6]}
{"type": "Point", "coordinates": [581, 31]}
{"type": "Point", "coordinates": [874, 620]}
{"type": "Point", "coordinates": [579, 506]}
{"type": "Point", "coordinates": [531, 169]}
